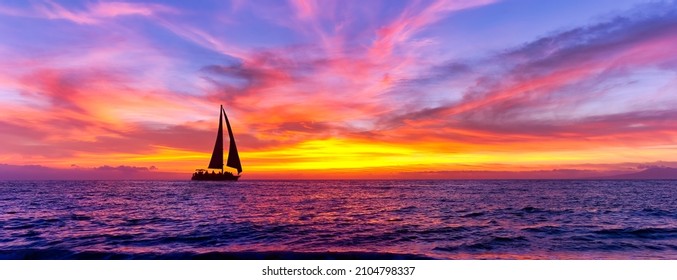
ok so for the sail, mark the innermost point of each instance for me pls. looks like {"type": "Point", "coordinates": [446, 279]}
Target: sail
{"type": "Point", "coordinates": [217, 155]}
{"type": "Point", "coordinates": [233, 156]}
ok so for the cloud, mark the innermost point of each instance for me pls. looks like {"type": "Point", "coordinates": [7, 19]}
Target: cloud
{"type": "Point", "coordinates": [10, 11]}
{"type": "Point", "coordinates": [414, 19]}
{"type": "Point", "coordinates": [203, 38]}
{"type": "Point", "coordinates": [305, 9]}
{"type": "Point", "coordinates": [96, 12]}
{"type": "Point", "coordinates": [125, 169]}
{"type": "Point", "coordinates": [39, 172]}
{"type": "Point", "coordinates": [541, 87]}
{"type": "Point", "coordinates": [238, 79]}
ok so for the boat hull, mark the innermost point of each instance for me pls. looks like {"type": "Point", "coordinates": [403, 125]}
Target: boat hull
{"type": "Point", "coordinates": [214, 177]}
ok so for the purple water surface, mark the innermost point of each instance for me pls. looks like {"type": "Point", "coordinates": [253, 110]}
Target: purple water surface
{"type": "Point", "coordinates": [339, 219]}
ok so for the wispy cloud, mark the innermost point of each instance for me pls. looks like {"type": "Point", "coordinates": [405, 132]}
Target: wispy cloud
{"type": "Point", "coordinates": [414, 19]}
{"type": "Point", "coordinates": [95, 12]}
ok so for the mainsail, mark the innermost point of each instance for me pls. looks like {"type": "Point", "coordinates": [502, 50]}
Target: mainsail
{"type": "Point", "coordinates": [217, 155]}
{"type": "Point", "coordinates": [233, 156]}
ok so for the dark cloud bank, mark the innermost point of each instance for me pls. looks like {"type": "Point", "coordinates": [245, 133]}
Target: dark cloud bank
{"type": "Point", "coordinates": [122, 172]}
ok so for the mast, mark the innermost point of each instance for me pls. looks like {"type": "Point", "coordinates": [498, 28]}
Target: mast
{"type": "Point", "coordinates": [233, 156]}
{"type": "Point", "coordinates": [217, 155]}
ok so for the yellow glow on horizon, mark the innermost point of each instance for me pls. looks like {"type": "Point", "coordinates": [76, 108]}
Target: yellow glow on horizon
{"type": "Point", "coordinates": [342, 154]}
{"type": "Point", "coordinates": [343, 157]}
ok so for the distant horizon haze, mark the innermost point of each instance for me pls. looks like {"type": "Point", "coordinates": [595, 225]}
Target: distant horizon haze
{"type": "Point", "coordinates": [28, 173]}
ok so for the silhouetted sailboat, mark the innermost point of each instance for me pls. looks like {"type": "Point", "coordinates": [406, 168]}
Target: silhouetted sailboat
{"type": "Point", "coordinates": [217, 157]}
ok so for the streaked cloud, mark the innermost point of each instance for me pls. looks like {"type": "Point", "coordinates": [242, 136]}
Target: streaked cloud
{"type": "Point", "coordinates": [95, 12]}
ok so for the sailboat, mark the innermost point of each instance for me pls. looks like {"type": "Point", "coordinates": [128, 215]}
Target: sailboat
{"type": "Point", "coordinates": [217, 157]}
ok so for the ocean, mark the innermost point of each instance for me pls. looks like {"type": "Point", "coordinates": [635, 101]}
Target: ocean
{"type": "Point", "coordinates": [362, 219]}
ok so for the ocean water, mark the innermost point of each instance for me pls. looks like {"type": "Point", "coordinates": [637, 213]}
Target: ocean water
{"type": "Point", "coordinates": [338, 220]}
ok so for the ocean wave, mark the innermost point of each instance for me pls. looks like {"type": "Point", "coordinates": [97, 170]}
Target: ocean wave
{"type": "Point", "coordinates": [545, 229]}
{"type": "Point", "coordinates": [649, 232]}
{"type": "Point", "coordinates": [473, 214]}
{"type": "Point", "coordinates": [55, 254]}
{"type": "Point", "coordinates": [181, 220]}
{"type": "Point", "coordinates": [486, 244]}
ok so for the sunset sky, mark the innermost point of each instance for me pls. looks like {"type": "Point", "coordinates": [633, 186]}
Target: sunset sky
{"type": "Point", "coordinates": [339, 89]}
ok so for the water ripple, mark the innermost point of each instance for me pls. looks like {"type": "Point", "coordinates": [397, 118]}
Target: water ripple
{"type": "Point", "coordinates": [338, 220]}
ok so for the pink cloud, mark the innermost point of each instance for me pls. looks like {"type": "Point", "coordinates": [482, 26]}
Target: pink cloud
{"type": "Point", "coordinates": [305, 9]}
{"type": "Point", "coordinates": [412, 20]}
{"type": "Point", "coordinates": [204, 39]}
{"type": "Point", "coordinates": [98, 11]}
{"type": "Point", "coordinates": [115, 9]}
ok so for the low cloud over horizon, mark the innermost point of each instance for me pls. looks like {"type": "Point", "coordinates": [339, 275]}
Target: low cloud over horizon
{"type": "Point", "coordinates": [105, 172]}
